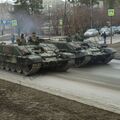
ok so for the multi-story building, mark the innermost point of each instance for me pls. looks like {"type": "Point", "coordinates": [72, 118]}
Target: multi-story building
{"type": "Point", "coordinates": [100, 4]}
{"type": "Point", "coordinates": [51, 3]}
{"type": "Point", "coordinates": [5, 16]}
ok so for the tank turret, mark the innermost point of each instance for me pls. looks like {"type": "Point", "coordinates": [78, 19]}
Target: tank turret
{"type": "Point", "coordinates": [100, 54]}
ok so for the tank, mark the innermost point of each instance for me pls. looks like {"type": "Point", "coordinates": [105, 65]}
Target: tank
{"type": "Point", "coordinates": [100, 53]}
{"type": "Point", "coordinates": [51, 58]}
{"type": "Point", "coordinates": [81, 56]}
{"type": "Point", "coordinates": [19, 59]}
{"type": "Point", "coordinates": [85, 52]}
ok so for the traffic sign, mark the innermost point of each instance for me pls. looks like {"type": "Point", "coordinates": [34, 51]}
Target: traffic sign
{"type": "Point", "coordinates": [8, 22]}
{"type": "Point", "coordinates": [111, 12]}
{"type": "Point", "coordinates": [4, 22]}
{"type": "Point", "coordinates": [14, 23]}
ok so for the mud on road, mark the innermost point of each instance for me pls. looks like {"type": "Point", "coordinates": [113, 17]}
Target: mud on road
{"type": "Point", "coordinates": [22, 103]}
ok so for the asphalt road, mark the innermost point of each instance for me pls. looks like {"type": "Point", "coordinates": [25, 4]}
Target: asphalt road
{"type": "Point", "coordinates": [97, 85]}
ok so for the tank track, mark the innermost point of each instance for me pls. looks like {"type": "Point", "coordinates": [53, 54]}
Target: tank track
{"type": "Point", "coordinates": [26, 70]}
{"type": "Point", "coordinates": [108, 59]}
{"type": "Point", "coordinates": [84, 61]}
{"type": "Point", "coordinates": [63, 67]}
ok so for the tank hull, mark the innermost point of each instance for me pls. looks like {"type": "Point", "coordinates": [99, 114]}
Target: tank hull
{"type": "Point", "coordinates": [50, 59]}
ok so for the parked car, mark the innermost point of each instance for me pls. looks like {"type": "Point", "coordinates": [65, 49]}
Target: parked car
{"type": "Point", "coordinates": [91, 33]}
{"type": "Point", "coordinates": [114, 29]}
{"type": "Point", "coordinates": [106, 30]}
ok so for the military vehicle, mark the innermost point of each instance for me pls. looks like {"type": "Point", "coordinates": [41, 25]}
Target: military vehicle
{"type": "Point", "coordinates": [81, 56]}
{"type": "Point", "coordinates": [51, 58]}
{"type": "Point", "coordinates": [100, 53]}
{"type": "Point", "coordinates": [53, 48]}
{"type": "Point", "coordinates": [19, 58]}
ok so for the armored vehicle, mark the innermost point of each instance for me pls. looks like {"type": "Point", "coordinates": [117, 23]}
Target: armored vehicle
{"type": "Point", "coordinates": [51, 58]}
{"type": "Point", "coordinates": [81, 56]}
{"type": "Point", "coordinates": [19, 59]}
{"type": "Point", "coordinates": [100, 53]}
{"type": "Point", "coordinates": [63, 55]}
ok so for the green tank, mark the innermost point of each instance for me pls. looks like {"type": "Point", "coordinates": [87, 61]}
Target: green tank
{"type": "Point", "coordinates": [51, 47]}
{"type": "Point", "coordinates": [51, 58]}
{"type": "Point", "coordinates": [19, 59]}
{"type": "Point", "coordinates": [81, 57]}
{"type": "Point", "coordinates": [100, 54]}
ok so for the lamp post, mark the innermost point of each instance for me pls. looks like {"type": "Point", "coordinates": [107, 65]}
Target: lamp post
{"type": "Point", "coordinates": [111, 13]}
{"type": "Point", "coordinates": [111, 30]}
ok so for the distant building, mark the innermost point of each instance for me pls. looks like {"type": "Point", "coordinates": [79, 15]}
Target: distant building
{"type": "Point", "coordinates": [51, 3]}
{"type": "Point", "coordinates": [5, 14]}
{"type": "Point", "coordinates": [5, 10]}
{"type": "Point", "coordinates": [99, 5]}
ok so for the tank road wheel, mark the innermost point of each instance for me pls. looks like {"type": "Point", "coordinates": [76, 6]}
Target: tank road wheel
{"type": "Point", "coordinates": [78, 64]}
{"type": "Point", "coordinates": [106, 61]}
{"type": "Point", "coordinates": [82, 61]}
{"type": "Point", "coordinates": [18, 69]}
{"type": "Point", "coordinates": [7, 67]}
{"type": "Point", "coordinates": [12, 67]}
{"type": "Point", "coordinates": [27, 70]}
{"type": "Point", "coordinates": [2, 66]}
{"type": "Point", "coordinates": [63, 68]}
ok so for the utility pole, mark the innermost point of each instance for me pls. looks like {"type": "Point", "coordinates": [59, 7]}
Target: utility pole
{"type": "Point", "coordinates": [64, 19]}
{"type": "Point", "coordinates": [111, 14]}
{"type": "Point", "coordinates": [74, 15]}
{"type": "Point", "coordinates": [111, 30]}
{"type": "Point", "coordinates": [49, 9]}
{"type": "Point", "coordinates": [49, 22]}
{"type": "Point", "coordinates": [91, 13]}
